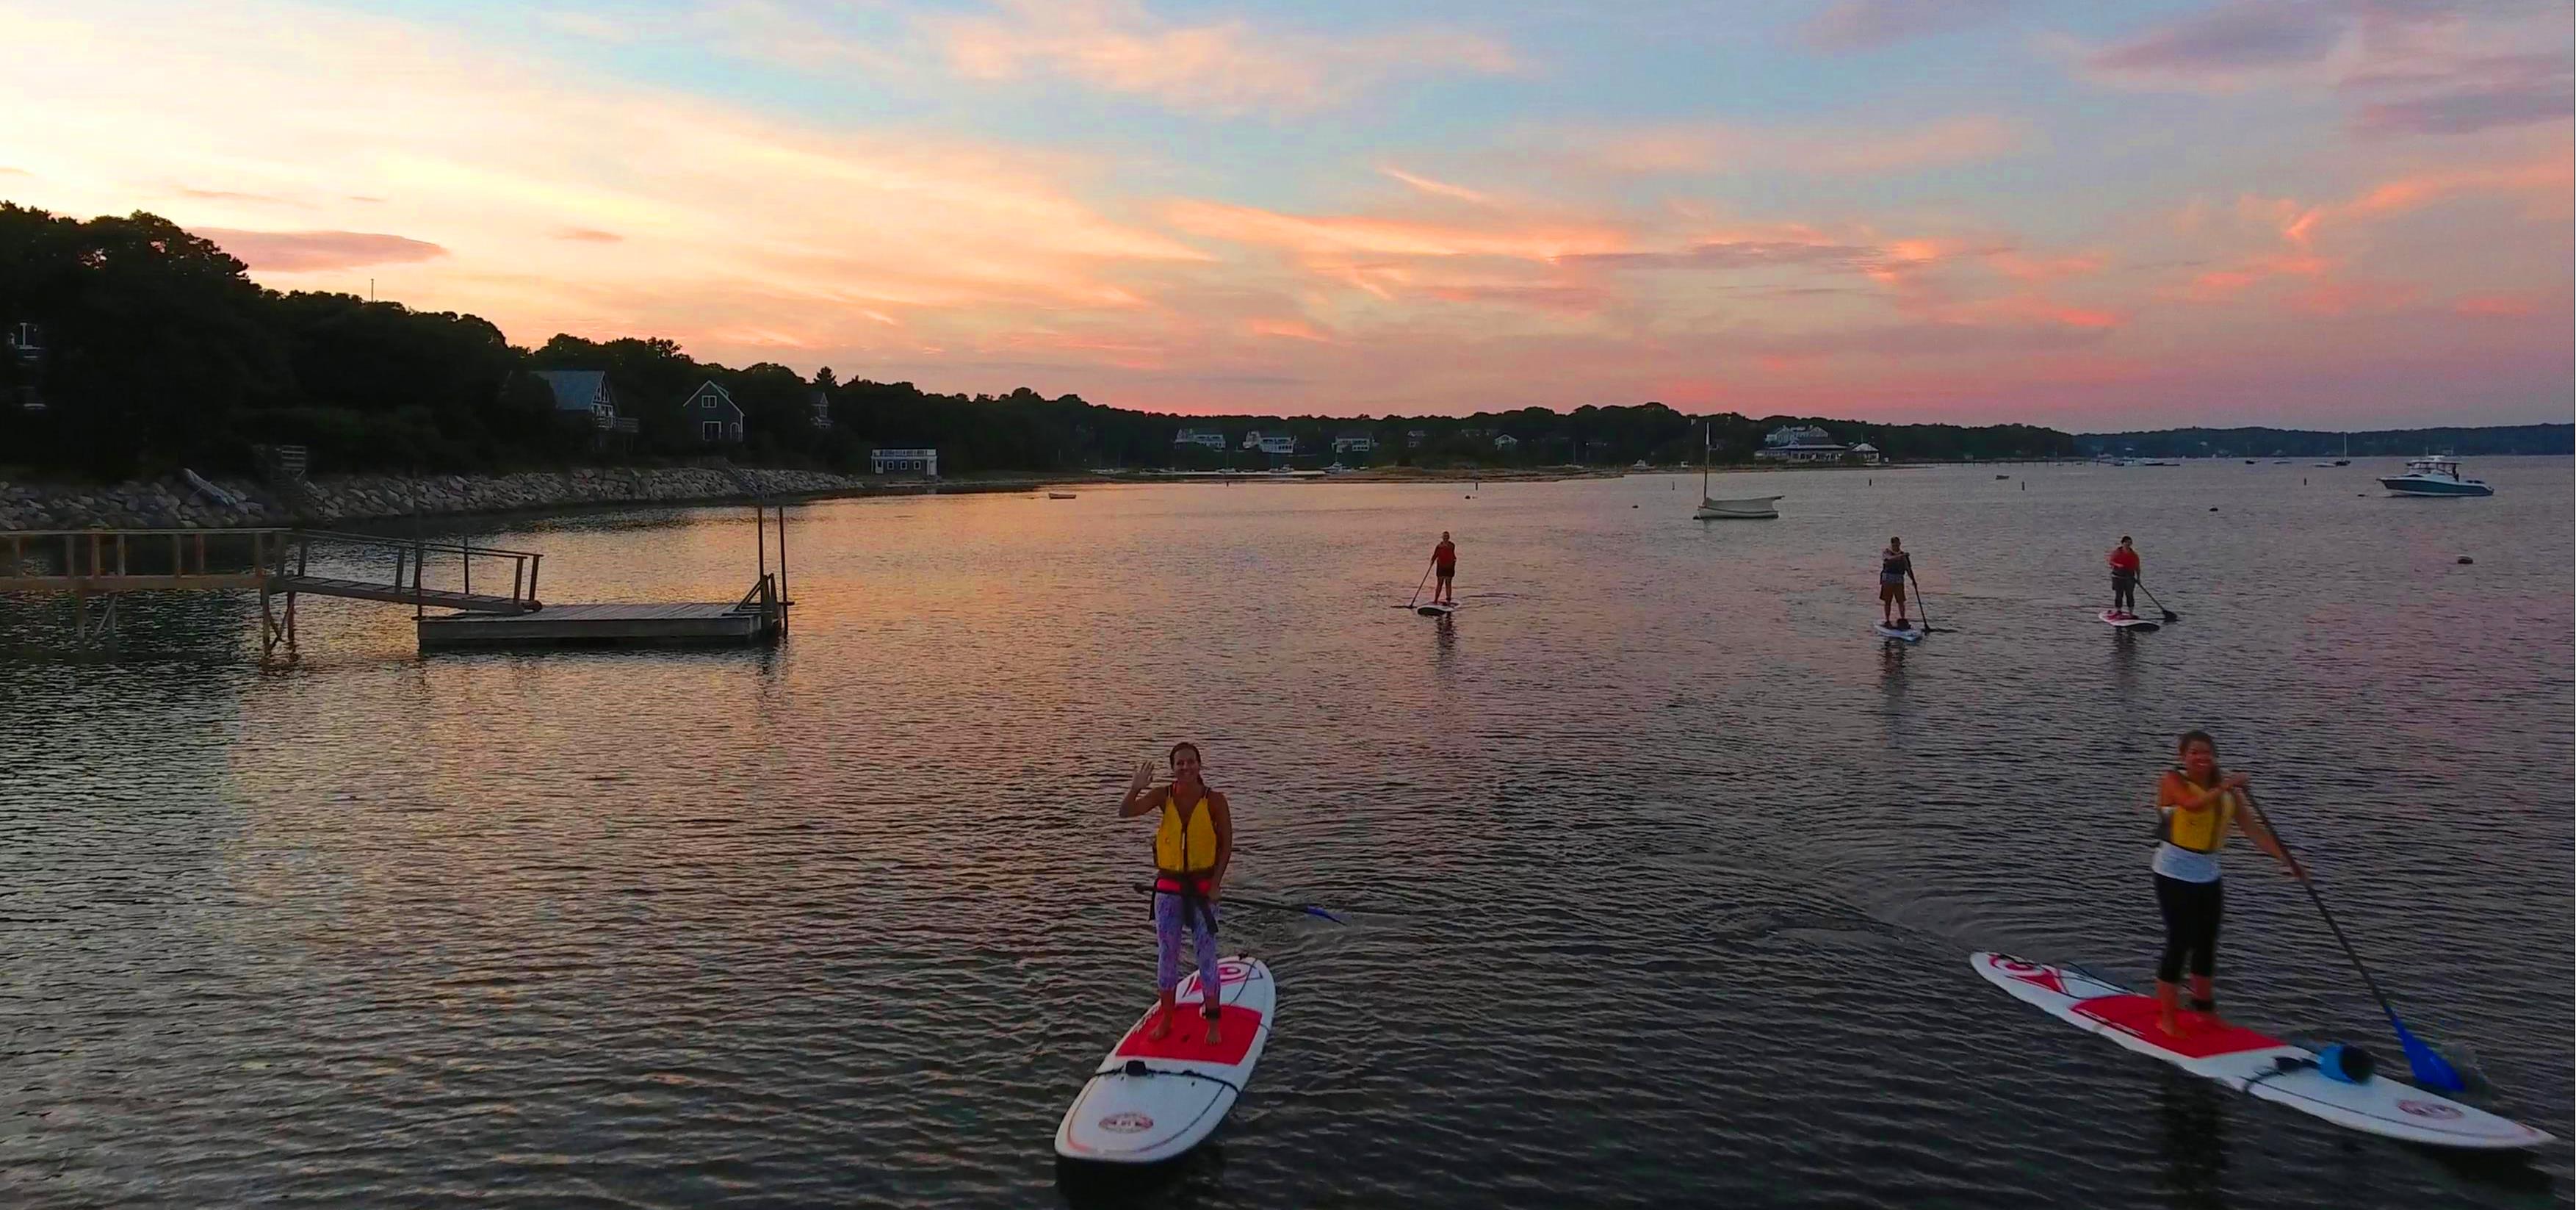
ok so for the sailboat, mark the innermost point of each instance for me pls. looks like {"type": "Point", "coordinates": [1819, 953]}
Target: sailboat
{"type": "Point", "coordinates": [1746, 508]}
{"type": "Point", "coordinates": [2346, 459]}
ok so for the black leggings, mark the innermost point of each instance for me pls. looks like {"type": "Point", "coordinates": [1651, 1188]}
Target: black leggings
{"type": "Point", "coordinates": [2124, 591]}
{"type": "Point", "coordinates": [2191, 926]}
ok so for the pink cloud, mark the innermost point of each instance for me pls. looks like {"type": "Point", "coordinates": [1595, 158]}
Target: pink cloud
{"type": "Point", "coordinates": [2230, 39]}
{"type": "Point", "coordinates": [314, 251]}
{"type": "Point", "coordinates": [1224, 67]}
{"type": "Point", "coordinates": [1853, 25]}
{"type": "Point", "coordinates": [587, 235]}
{"type": "Point", "coordinates": [2499, 305]}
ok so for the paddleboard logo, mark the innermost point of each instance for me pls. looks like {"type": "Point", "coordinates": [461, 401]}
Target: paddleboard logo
{"type": "Point", "coordinates": [2430, 1109]}
{"type": "Point", "coordinates": [2039, 976]}
{"type": "Point", "coordinates": [1130, 1122]}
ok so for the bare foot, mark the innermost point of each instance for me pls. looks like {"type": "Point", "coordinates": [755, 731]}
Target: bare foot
{"type": "Point", "coordinates": [1161, 1028]}
{"type": "Point", "coordinates": [1215, 1032]}
{"type": "Point", "coordinates": [2168, 1023]}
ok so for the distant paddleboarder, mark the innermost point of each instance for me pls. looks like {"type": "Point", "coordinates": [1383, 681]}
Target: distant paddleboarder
{"type": "Point", "coordinates": [1192, 846]}
{"type": "Point", "coordinates": [2198, 804]}
{"type": "Point", "coordinates": [2124, 579]}
{"type": "Point", "coordinates": [1444, 564]}
{"type": "Point", "coordinates": [1894, 565]}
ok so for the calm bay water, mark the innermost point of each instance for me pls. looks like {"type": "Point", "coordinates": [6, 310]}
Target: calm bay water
{"type": "Point", "coordinates": [1661, 870]}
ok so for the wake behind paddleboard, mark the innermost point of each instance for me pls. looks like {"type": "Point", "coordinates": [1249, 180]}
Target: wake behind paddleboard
{"type": "Point", "coordinates": [2249, 1062]}
{"type": "Point", "coordinates": [1435, 610]}
{"type": "Point", "coordinates": [1153, 1100]}
{"type": "Point", "coordinates": [1910, 634]}
{"type": "Point", "coordinates": [2127, 621]}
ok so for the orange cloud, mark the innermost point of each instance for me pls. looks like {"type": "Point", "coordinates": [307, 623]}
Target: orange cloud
{"type": "Point", "coordinates": [1831, 151]}
{"type": "Point", "coordinates": [1346, 235]}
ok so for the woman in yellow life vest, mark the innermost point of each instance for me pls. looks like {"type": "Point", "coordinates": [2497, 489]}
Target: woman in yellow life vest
{"type": "Point", "coordinates": [1192, 845]}
{"type": "Point", "coordinates": [2199, 804]}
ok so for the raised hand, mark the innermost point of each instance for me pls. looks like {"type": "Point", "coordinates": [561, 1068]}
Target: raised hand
{"type": "Point", "coordinates": [1144, 778]}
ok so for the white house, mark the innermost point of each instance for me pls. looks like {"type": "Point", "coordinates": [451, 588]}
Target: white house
{"type": "Point", "coordinates": [1798, 435]}
{"type": "Point", "coordinates": [582, 396]}
{"type": "Point", "coordinates": [1413, 438]}
{"type": "Point", "coordinates": [711, 409]}
{"type": "Point", "coordinates": [1866, 453]}
{"type": "Point", "coordinates": [1505, 441]}
{"type": "Point", "coordinates": [1802, 451]}
{"type": "Point", "coordinates": [1211, 438]}
{"type": "Point", "coordinates": [918, 461]}
{"type": "Point", "coordinates": [818, 408]}
{"type": "Point", "coordinates": [1273, 443]}
{"type": "Point", "coordinates": [1356, 441]}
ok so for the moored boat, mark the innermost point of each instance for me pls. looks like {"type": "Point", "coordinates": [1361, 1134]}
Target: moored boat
{"type": "Point", "coordinates": [1746, 508]}
{"type": "Point", "coordinates": [2434, 476]}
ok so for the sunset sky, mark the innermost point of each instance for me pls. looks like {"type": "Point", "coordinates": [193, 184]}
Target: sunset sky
{"type": "Point", "coordinates": [2323, 213]}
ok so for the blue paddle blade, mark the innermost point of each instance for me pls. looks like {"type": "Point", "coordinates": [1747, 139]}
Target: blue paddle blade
{"type": "Point", "coordinates": [1312, 910]}
{"type": "Point", "coordinates": [2431, 1070]}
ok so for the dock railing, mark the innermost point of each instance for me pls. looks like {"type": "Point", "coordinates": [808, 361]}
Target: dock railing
{"type": "Point", "coordinates": [413, 560]}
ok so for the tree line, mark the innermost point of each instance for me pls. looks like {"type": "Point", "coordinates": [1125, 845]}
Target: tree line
{"type": "Point", "coordinates": [146, 347]}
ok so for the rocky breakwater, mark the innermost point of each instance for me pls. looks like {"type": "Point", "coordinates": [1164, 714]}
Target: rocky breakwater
{"type": "Point", "coordinates": [175, 503]}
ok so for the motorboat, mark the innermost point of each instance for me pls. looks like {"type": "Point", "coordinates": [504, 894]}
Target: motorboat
{"type": "Point", "coordinates": [2434, 476]}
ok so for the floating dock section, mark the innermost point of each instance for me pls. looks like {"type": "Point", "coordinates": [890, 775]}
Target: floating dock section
{"type": "Point", "coordinates": [711, 624]}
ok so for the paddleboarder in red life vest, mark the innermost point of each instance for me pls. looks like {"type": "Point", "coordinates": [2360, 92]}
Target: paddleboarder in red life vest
{"type": "Point", "coordinates": [2124, 579]}
{"type": "Point", "coordinates": [1444, 564]}
{"type": "Point", "coordinates": [2198, 803]}
{"type": "Point", "coordinates": [1192, 847]}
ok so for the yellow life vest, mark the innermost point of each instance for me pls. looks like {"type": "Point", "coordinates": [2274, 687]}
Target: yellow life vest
{"type": "Point", "coordinates": [1185, 846]}
{"type": "Point", "coordinates": [2202, 831]}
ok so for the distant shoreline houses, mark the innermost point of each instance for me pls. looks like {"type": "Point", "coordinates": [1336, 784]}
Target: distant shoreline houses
{"type": "Point", "coordinates": [1796, 444]}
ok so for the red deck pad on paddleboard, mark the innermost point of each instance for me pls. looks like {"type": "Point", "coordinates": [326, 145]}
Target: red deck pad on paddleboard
{"type": "Point", "coordinates": [2202, 1035]}
{"type": "Point", "coordinates": [1187, 1042]}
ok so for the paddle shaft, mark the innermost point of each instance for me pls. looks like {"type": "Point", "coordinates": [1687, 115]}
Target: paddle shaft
{"type": "Point", "coordinates": [2320, 901]}
{"type": "Point", "coordinates": [2170, 615]}
{"type": "Point", "coordinates": [1426, 578]}
{"type": "Point", "coordinates": [1919, 606]}
{"type": "Point", "coordinates": [1247, 901]}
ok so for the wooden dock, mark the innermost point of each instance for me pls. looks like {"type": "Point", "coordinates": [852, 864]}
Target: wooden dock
{"type": "Point", "coordinates": [104, 564]}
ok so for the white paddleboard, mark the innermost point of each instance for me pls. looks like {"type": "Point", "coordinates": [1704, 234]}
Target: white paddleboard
{"type": "Point", "coordinates": [1910, 634]}
{"type": "Point", "coordinates": [1150, 1100]}
{"type": "Point", "coordinates": [1435, 609]}
{"type": "Point", "coordinates": [2250, 1062]}
{"type": "Point", "coordinates": [2135, 621]}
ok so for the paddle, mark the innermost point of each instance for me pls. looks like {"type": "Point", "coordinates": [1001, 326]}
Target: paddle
{"type": "Point", "coordinates": [2430, 1069]}
{"type": "Point", "coordinates": [1228, 900]}
{"type": "Point", "coordinates": [2170, 615]}
{"type": "Point", "coordinates": [1417, 586]}
{"type": "Point", "coordinates": [1922, 608]}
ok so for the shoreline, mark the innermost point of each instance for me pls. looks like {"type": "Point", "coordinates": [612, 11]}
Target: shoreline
{"type": "Point", "coordinates": [233, 502]}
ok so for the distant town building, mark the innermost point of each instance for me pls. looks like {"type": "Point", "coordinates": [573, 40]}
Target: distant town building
{"type": "Point", "coordinates": [915, 461]}
{"type": "Point", "coordinates": [582, 395]}
{"type": "Point", "coordinates": [1413, 438]}
{"type": "Point", "coordinates": [1802, 451]}
{"type": "Point", "coordinates": [818, 408]}
{"type": "Point", "coordinates": [717, 417]}
{"type": "Point", "coordinates": [1505, 441]}
{"type": "Point", "coordinates": [1270, 443]}
{"type": "Point", "coordinates": [1210, 438]}
{"type": "Point", "coordinates": [1798, 435]}
{"type": "Point", "coordinates": [1354, 442]}
{"type": "Point", "coordinates": [1866, 453]}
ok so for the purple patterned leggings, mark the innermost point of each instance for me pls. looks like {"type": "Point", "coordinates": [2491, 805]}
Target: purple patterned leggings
{"type": "Point", "coordinates": [1169, 913]}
